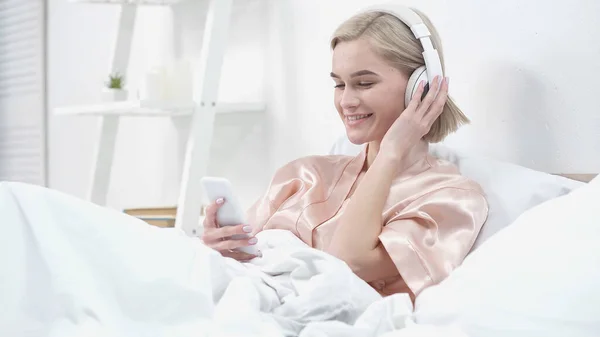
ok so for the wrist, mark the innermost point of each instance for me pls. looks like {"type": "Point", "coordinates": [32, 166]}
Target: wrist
{"type": "Point", "coordinates": [386, 165]}
{"type": "Point", "coordinates": [393, 158]}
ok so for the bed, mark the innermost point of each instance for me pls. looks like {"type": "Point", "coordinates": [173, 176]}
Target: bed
{"type": "Point", "coordinates": [534, 266]}
{"type": "Point", "coordinates": [71, 268]}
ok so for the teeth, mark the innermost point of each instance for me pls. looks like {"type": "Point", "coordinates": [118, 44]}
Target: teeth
{"type": "Point", "coordinates": [357, 117]}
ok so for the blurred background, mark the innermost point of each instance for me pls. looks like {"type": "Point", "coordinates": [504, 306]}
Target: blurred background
{"type": "Point", "coordinates": [525, 72]}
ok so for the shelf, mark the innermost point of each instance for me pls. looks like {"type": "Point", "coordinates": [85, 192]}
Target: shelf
{"type": "Point", "coordinates": [153, 109]}
{"type": "Point", "coordinates": [128, 2]}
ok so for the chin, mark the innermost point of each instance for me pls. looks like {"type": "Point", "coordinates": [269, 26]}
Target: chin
{"type": "Point", "coordinates": [357, 139]}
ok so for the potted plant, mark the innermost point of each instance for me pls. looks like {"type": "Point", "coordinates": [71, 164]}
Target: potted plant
{"type": "Point", "coordinates": [115, 90]}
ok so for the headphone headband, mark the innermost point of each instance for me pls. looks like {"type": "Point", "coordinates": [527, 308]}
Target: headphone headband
{"type": "Point", "coordinates": [406, 15]}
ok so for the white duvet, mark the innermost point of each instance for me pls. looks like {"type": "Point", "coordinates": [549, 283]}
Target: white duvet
{"type": "Point", "coordinates": [71, 268]}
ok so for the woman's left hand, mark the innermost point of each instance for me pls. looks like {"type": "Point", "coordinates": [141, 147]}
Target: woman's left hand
{"type": "Point", "coordinates": [415, 121]}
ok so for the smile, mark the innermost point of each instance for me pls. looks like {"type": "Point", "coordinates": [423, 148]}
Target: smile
{"type": "Point", "coordinates": [357, 120]}
{"type": "Point", "coordinates": [358, 117]}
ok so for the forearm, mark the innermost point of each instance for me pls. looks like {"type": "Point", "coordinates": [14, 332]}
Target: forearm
{"type": "Point", "coordinates": [360, 225]}
{"type": "Point", "coordinates": [374, 265]}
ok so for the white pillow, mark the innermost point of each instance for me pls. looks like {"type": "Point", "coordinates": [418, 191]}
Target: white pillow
{"type": "Point", "coordinates": [510, 189]}
{"type": "Point", "coordinates": [537, 277]}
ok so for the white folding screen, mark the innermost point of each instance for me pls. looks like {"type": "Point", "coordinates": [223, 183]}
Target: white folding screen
{"type": "Point", "coordinates": [22, 91]}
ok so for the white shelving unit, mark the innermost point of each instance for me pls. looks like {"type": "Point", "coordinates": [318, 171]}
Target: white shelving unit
{"type": "Point", "coordinates": [143, 108]}
{"type": "Point", "coordinates": [201, 110]}
{"type": "Point", "coordinates": [129, 2]}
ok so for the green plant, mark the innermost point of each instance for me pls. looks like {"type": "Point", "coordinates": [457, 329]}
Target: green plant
{"type": "Point", "coordinates": [116, 81]}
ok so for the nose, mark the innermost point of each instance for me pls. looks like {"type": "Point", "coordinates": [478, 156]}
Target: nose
{"type": "Point", "coordinates": [349, 99]}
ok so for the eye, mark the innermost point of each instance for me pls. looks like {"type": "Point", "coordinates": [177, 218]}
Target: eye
{"type": "Point", "coordinates": [365, 84]}
{"type": "Point", "coordinates": [338, 86]}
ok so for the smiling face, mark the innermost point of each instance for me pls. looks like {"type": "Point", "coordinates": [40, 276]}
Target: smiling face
{"type": "Point", "coordinates": [369, 92]}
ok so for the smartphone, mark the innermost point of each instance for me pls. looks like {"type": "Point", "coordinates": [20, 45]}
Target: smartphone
{"type": "Point", "coordinates": [231, 212]}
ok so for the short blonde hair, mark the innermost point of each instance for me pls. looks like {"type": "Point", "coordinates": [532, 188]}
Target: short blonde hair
{"type": "Point", "coordinates": [394, 41]}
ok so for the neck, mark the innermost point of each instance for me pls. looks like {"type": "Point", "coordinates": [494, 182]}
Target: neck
{"type": "Point", "coordinates": [415, 153]}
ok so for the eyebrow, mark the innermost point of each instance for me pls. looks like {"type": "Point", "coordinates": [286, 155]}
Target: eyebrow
{"type": "Point", "coordinates": [355, 74]}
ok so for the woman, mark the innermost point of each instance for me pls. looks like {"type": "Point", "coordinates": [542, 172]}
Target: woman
{"type": "Point", "coordinates": [401, 219]}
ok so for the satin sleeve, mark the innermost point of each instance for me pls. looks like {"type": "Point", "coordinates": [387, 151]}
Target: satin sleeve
{"type": "Point", "coordinates": [285, 185]}
{"type": "Point", "coordinates": [431, 236]}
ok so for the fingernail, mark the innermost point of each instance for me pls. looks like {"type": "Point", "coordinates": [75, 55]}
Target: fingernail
{"type": "Point", "coordinates": [220, 201]}
{"type": "Point", "coordinates": [247, 229]}
{"type": "Point", "coordinates": [252, 241]}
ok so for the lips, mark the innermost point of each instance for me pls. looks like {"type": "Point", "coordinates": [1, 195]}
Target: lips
{"type": "Point", "coordinates": [358, 117]}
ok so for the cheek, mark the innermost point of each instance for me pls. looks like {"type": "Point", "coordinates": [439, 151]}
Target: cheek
{"type": "Point", "coordinates": [387, 103]}
{"type": "Point", "coordinates": [336, 100]}
{"type": "Point", "coordinates": [395, 99]}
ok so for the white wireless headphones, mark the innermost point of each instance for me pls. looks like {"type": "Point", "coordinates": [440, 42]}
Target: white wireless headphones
{"type": "Point", "coordinates": [433, 65]}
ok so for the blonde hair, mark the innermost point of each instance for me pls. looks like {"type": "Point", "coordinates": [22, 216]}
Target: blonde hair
{"type": "Point", "coordinates": [395, 42]}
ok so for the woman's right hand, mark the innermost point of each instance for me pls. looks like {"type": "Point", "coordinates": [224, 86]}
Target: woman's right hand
{"type": "Point", "coordinates": [416, 120]}
{"type": "Point", "coordinates": [219, 238]}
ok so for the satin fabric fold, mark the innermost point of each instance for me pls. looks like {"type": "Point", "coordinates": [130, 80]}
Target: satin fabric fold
{"type": "Point", "coordinates": [430, 220]}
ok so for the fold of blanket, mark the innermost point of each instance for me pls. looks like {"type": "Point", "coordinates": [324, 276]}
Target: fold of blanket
{"type": "Point", "coordinates": [72, 268]}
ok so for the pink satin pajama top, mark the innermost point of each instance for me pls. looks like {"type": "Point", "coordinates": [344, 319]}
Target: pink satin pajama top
{"type": "Point", "coordinates": [430, 220]}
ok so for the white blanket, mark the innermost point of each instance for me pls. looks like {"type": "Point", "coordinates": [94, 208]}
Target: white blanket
{"type": "Point", "coordinates": [71, 268]}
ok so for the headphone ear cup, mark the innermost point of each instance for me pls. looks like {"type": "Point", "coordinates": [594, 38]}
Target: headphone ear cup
{"type": "Point", "coordinates": [417, 76]}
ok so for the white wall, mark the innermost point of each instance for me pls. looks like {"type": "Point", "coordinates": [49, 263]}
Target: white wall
{"type": "Point", "coordinates": [149, 156]}
{"type": "Point", "coordinates": [525, 72]}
